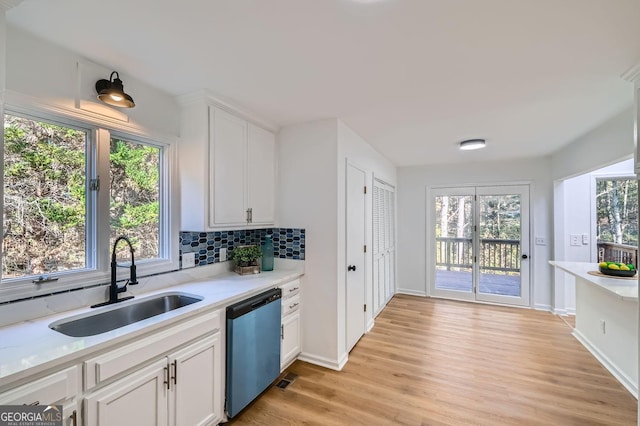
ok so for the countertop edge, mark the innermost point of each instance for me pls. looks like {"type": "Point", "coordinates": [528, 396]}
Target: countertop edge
{"type": "Point", "coordinates": [616, 287]}
{"type": "Point", "coordinates": [151, 325]}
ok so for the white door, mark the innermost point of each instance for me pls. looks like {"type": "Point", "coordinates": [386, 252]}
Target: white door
{"type": "Point", "coordinates": [355, 274]}
{"type": "Point", "coordinates": [480, 244]}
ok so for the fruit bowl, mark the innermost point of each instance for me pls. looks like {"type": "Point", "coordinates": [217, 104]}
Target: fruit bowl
{"type": "Point", "coordinates": [617, 272]}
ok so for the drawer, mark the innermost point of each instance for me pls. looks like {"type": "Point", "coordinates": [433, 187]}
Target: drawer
{"type": "Point", "coordinates": [290, 304]}
{"type": "Point", "coordinates": [290, 289]}
{"type": "Point", "coordinates": [48, 390]}
{"type": "Point", "coordinates": [104, 367]}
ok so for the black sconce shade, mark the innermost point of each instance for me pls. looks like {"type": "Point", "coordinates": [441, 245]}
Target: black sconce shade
{"type": "Point", "coordinates": [112, 92]}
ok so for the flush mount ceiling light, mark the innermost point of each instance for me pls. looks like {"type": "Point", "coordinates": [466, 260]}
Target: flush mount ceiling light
{"type": "Point", "coordinates": [112, 92]}
{"type": "Point", "coordinates": [470, 144]}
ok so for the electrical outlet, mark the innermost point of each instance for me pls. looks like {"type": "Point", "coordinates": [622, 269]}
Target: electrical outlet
{"type": "Point", "coordinates": [603, 326]}
{"type": "Point", "coordinates": [575, 240]}
{"type": "Point", "coordinates": [223, 254]}
{"type": "Point", "coordinates": [585, 239]}
{"type": "Point", "coordinates": [541, 241]}
{"type": "Point", "coordinates": [188, 260]}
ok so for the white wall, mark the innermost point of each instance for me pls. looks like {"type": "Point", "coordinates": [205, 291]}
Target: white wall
{"type": "Point", "coordinates": [311, 182]}
{"type": "Point", "coordinates": [412, 184]}
{"type": "Point", "coordinates": [606, 144]}
{"type": "Point", "coordinates": [41, 72]}
{"type": "Point", "coordinates": [307, 182]}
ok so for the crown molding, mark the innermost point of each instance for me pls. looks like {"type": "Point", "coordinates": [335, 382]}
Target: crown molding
{"type": "Point", "coordinates": [208, 97]}
{"type": "Point", "coordinates": [8, 4]}
{"type": "Point", "coordinates": [632, 75]}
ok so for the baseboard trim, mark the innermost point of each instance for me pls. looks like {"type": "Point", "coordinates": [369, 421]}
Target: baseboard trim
{"type": "Point", "coordinates": [542, 307]}
{"type": "Point", "coordinates": [411, 292]}
{"type": "Point", "coordinates": [331, 364]}
{"type": "Point", "coordinates": [625, 380]}
{"type": "Point", "coordinates": [561, 312]}
{"type": "Point", "coordinates": [370, 325]}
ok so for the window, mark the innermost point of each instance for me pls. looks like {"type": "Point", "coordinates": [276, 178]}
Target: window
{"type": "Point", "coordinates": [135, 197]}
{"type": "Point", "coordinates": [44, 197]}
{"type": "Point", "coordinates": [617, 211]}
{"type": "Point", "coordinates": [72, 188]}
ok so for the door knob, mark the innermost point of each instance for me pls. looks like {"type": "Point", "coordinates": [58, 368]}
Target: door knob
{"type": "Point", "coordinates": [524, 256]}
{"type": "Point", "coordinates": [351, 268]}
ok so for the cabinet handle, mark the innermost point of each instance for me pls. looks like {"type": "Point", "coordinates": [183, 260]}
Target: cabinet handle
{"type": "Point", "coordinates": [34, 403]}
{"type": "Point", "coordinates": [294, 305]}
{"type": "Point", "coordinates": [167, 380]}
{"type": "Point", "coordinates": [74, 418]}
{"type": "Point", "coordinates": [293, 289]}
{"type": "Point", "coordinates": [250, 214]}
{"type": "Point", "coordinates": [282, 332]}
{"type": "Point", "coordinates": [175, 371]}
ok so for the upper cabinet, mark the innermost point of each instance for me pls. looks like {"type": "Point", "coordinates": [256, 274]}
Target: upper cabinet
{"type": "Point", "coordinates": [227, 170]}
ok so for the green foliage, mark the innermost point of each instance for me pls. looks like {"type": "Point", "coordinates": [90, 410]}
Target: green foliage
{"type": "Point", "coordinates": [245, 255]}
{"type": "Point", "coordinates": [617, 211]}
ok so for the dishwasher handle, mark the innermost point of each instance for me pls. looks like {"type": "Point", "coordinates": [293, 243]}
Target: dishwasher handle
{"type": "Point", "coordinates": [251, 304]}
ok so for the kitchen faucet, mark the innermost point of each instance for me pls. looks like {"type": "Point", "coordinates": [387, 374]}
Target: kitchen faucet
{"type": "Point", "coordinates": [113, 287]}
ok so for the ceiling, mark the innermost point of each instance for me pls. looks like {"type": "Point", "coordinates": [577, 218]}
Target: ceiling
{"type": "Point", "coordinates": [412, 77]}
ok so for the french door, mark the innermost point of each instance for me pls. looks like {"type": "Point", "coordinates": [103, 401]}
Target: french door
{"type": "Point", "coordinates": [479, 244]}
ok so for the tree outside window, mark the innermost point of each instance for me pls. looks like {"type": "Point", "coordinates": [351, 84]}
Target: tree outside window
{"type": "Point", "coordinates": [617, 211]}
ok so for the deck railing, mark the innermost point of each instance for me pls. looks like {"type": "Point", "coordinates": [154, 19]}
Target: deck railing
{"type": "Point", "coordinates": [494, 254]}
{"type": "Point", "coordinates": [612, 252]}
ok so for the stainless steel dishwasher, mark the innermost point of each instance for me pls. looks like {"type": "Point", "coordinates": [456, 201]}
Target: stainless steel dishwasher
{"type": "Point", "coordinates": [253, 348]}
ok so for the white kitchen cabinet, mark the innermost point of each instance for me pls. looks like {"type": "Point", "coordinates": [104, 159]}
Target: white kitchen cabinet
{"type": "Point", "coordinates": [242, 171]}
{"type": "Point", "coordinates": [139, 399]}
{"type": "Point", "coordinates": [183, 388]}
{"type": "Point", "coordinates": [290, 331]}
{"type": "Point", "coordinates": [227, 169]}
{"type": "Point", "coordinates": [59, 388]}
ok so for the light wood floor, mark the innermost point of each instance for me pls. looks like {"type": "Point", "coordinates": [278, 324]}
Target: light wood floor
{"type": "Point", "coordinates": [432, 362]}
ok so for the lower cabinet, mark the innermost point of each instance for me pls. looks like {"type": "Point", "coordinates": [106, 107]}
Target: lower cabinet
{"type": "Point", "coordinates": [290, 330]}
{"type": "Point", "coordinates": [290, 344]}
{"type": "Point", "coordinates": [183, 388]}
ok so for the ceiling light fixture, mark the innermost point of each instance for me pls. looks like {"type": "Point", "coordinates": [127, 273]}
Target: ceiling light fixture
{"type": "Point", "coordinates": [112, 92]}
{"type": "Point", "coordinates": [470, 144]}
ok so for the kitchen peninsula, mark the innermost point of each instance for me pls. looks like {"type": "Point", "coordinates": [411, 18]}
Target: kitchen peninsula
{"type": "Point", "coordinates": [607, 320]}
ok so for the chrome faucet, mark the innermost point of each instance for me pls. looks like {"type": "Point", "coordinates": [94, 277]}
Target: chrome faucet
{"type": "Point", "coordinates": [113, 287]}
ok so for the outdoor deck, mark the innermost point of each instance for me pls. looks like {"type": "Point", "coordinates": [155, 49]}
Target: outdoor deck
{"type": "Point", "coordinates": [506, 285]}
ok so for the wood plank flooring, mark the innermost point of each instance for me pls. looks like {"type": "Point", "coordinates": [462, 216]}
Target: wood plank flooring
{"type": "Point", "coordinates": [439, 362]}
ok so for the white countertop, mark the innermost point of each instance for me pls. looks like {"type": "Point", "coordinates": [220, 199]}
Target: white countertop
{"type": "Point", "coordinates": [31, 347]}
{"type": "Point", "coordinates": [625, 289]}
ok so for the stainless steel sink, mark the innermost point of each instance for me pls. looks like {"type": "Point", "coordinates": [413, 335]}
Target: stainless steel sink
{"type": "Point", "coordinates": [120, 316]}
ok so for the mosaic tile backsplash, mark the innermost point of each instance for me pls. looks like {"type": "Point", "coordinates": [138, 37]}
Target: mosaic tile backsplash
{"type": "Point", "coordinates": [288, 243]}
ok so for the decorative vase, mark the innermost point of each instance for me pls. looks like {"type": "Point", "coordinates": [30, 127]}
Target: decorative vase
{"type": "Point", "coordinates": [267, 254]}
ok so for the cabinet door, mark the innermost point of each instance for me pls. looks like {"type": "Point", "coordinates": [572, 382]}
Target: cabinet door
{"type": "Point", "coordinates": [197, 373]}
{"type": "Point", "coordinates": [290, 339]}
{"type": "Point", "coordinates": [139, 399]}
{"type": "Point", "coordinates": [227, 169]}
{"type": "Point", "coordinates": [261, 175]}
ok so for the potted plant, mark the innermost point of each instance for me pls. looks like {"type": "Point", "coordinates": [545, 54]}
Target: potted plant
{"type": "Point", "coordinates": [245, 259]}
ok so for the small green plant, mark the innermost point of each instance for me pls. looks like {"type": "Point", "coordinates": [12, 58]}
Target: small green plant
{"type": "Point", "coordinates": [245, 255]}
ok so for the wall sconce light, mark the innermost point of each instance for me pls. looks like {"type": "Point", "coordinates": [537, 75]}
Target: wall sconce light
{"type": "Point", "coordinates": [470, 144]}
{"type": "Point", "coordinates": [112, 92]}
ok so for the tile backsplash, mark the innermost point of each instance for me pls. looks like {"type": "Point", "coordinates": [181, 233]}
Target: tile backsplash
{"type": "Point", "coordinates": [288, 243]}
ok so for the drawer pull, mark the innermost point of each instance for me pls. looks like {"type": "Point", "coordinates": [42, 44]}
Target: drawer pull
{"type": "Point", "coordinates": [74, 418]}
{"type": "Point", "coordinates": [293, 289]}
{"type": "Point", "coordinates": [33, 404]}
{"type": "Point", "coordinates": [294, 305]}
{"type": "Point", "coordinates": [282, 332]}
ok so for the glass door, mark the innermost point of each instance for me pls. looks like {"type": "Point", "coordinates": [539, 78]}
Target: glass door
{"type": "Point", "coordinates": [453, 242]}
{"type": "Point", "coordinates": [479, 244]}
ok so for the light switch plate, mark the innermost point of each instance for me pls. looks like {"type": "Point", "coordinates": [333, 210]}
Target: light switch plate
{"type": "Point", "coordinates": [575, 240]}
{"type": "Point", "coordinates": [541, 241]}
{"type": "Point", "coordinates": [585, 239]}
{"type": "Point", "coordinates": [188, 260]}
{"type": "Point", "coordinates": [223, 254]}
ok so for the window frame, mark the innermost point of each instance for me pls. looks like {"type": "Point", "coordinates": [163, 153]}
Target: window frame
{"type": "Point", "coordinates": [97, 235]}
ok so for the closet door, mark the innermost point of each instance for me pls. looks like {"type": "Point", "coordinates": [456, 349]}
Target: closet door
{"type": "Point", "coordinates": [383, 244]}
